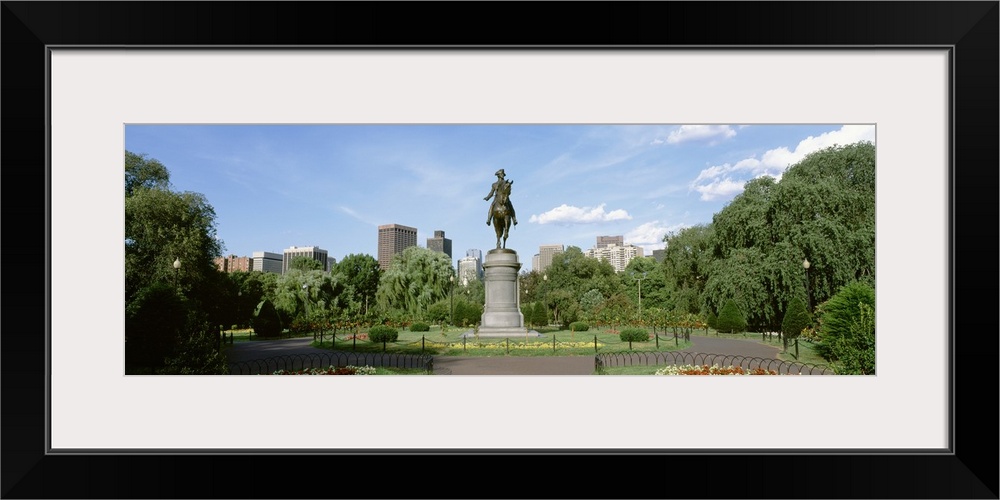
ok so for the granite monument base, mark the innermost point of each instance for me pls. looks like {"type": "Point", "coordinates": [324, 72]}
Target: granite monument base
{"type": "Point", "coordinates": [502, 312]}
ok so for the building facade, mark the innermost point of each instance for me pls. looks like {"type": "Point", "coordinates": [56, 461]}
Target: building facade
{"type": "Point", "coordinates": [616, 255]}
{"type": "Point", "coordinates": [439, 243]}
{"type": "Point", "coordinates": [469, 269]}
{"type": "Point", "coordinates": [392, 240]}
{"type": "Point", "coordinates": [603, 241]}
{"type": "Point", "coordinates": [545, 255]}
{"type": "Point", "coordinates": [315, 253]}
{"type": "Point", "coordinates": [267, 262]}
{"type": "Point", "coordinates": [232, 263]}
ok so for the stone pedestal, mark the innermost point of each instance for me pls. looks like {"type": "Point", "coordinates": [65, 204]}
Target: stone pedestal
{"type": "Point", "coordinates": [502, 312]}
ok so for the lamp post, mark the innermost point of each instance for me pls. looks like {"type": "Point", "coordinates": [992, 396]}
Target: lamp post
{"type": "Point", "coordinates": [639, 279]}
{"type": "Point", "coordinates": [451, 280]}
{"type": "Point", "coordinates": [805, 265]}
{"type": "Point", "coordinates": [177, 270]}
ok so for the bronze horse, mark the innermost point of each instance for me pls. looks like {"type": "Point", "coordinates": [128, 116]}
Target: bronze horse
{"type": "Point", "coordinates": [500, 213]}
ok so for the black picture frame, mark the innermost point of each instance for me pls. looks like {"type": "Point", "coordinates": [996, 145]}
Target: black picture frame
{"type": "Point", "coordinates": [970, 28]}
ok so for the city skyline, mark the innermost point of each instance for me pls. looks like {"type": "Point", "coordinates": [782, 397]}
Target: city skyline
{"type": "Point", "coordinates": [331, 186]}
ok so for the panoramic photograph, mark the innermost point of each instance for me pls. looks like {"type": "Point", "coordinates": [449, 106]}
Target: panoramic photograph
{"type": "Point", "coordinates": [576, 249]}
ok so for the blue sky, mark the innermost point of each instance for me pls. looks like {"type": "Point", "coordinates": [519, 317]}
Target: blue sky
{"type": "Point", "coordinates": [275, 186]}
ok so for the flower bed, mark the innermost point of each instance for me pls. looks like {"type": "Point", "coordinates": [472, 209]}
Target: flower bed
{"type": "Point", "coordinates": [711, 370]}
{"type": "Point", "coordinates": [332, 370]}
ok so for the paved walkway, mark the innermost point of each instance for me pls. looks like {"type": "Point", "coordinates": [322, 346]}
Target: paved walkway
{"type": "Point", "coordinates": [503, 365]}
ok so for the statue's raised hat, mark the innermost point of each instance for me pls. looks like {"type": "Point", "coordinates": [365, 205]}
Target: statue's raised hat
{"type": "Point", "coordinates": [500, 173]}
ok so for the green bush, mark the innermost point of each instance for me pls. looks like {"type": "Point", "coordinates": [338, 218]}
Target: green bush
{"type": "Point", "coordinates": [839, 319]}
{"type": "Point", "coordinates": [796, 318]}
{"type": "Point", "coordinates": [382, 333]}
{"type": "Point", "coordinates": [266, 322]}
{"type": "Point", "coordinates": [712, 320]}
{"type": "Point", "coordinates": [420, 327]}
{"type": "Point", "coordinates": [730, 318]}
{"type": "Point", "coordinates": [633, 335]}
{"type": "Point", "coordinates": [579, 326]}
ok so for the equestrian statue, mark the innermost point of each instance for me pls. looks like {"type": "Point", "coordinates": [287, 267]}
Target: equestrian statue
{"type": "Point", "coordinates": [501, 213]}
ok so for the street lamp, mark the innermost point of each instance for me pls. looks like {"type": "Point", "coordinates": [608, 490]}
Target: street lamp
{"type": "Point", "coordinates": [177, 270]}
{"type": "Point", "coordinates": [451, 280]}
{"type": "Point", "coordinates": [639, 279]}
{"type": "Point", "coordinates": [805, 265]}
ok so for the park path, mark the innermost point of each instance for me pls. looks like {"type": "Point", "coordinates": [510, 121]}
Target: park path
{"type": "Point", "coordinates": [502, 365]}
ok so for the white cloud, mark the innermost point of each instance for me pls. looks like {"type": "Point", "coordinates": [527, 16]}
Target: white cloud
{"type": "Point", "coordinates": [650, 235]}
{"type": "Point", "coordinates": [773, 162]}
{"type": "Point", "coordinates": [720, 188]}
{"type": "Point", "coordinates": [566, 214]}
{"type": "Point", "coordinates": [700, 133]}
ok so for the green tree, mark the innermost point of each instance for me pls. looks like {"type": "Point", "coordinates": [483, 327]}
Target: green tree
{"type": "Point", "coordinates": [304, 295]}
{"type": "Point", "coordinates": [796, 318]}
{"type": "Point", "coordinates": [154, 324]}
{"type": "Point", "coordinates": [303, 263]}
{"type": "Point", "coordinates": [144, 172]}
{"type": "Point", "coordinates": [687, 261]}
{"type": "Point", "coordinates": [539, 316]}
{"type": "Point", "coordinates": [855, 352]}
{"type": "Point", "coordinates": [730, 318]}
{"type": "Point", "coordinates": [266, 321]}
{"type": "Point", "coordinates": [360, 275]}
{"type": "Point", "coordinates": [838, 317]}
{"type": "Point", "coordinates": [170, 238]}
{"type": "Point", "coordinates": [416, 278]}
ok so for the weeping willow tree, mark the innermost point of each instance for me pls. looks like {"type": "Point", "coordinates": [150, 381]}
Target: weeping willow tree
{"type": "Point", "coordinates": [416, 279]}
{"type": "Point", "coordinates": [822, 211]}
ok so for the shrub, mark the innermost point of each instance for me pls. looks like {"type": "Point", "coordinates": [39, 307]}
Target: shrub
{"type": "Point", "coordinates": [382, 333]}
{"type": "Point", "coordinates": [420, 327]}
{"type": "Point", "coordinates": [579, 326]}
{"type": "Point", "coordinates": [838, 315]}
{"type": "Point", "coordinates": [266, 322]}
{"type": "Point", "coordinates": [795, 320]}
{"type": "Point", "coordinates": [712, 320]}
{"type": "Point", "coordinates": [633, 335]}
{"type": "Point", "coordinates": [730, 318]}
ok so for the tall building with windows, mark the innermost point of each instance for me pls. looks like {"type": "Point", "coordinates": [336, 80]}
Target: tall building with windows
{"type": "Point", "coordinates": [545, 254]}
{"type": "Point", "coordinates": [469, 269]}
{"type": "Point", "coordinates": [603, 241]}
{"type": "Point", "coordinates": [439, 243]}
{"type": "Point", "coordinates": [393, 239]}
{"type": "Point", "coordinates": [232, 263]}
{"type": "Point", "coordinates": [314, 252]}
{"type": "Point", "coordinates": [267, 262]}
{"type": "Point", "coordinates": [617, 255]}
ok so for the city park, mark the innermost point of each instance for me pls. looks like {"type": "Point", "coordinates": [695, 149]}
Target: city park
{"type": "Point", "coordinates": [788, 264]}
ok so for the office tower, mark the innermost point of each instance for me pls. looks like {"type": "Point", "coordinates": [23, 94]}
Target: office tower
{"type": "Point", "coordinates": [545, 255]}
{"type": "Point", "coordinates": [603, 241]}
{"type": "Point", "coordinates": [392, 240]}
{"type": "Point", "coordinates": [618, 256]}
{"type": "Point", "coordinates": [267, 262]}
{"type": "Point", "coordinates": [439, 243]}
{"type": "Point", "coordinates": [315, 253]}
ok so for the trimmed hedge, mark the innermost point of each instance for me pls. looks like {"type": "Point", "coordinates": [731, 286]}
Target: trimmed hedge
{"type": "Point", "coordinates": [382, 333]}
{"type": "Point", "coordinates": [420, 327]}
{"type": "Point", "coordinates": [579, 326]}
{"type": "Point", "coordinates": [633, 335]}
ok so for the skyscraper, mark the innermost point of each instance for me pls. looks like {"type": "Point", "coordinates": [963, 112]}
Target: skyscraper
{"type": "Point", "coordinates": [267, 262]}
{"type": "Point", "coordinates": [618, 256]}
{"type": "Point", "coordinates": [393, 239]}
{"type": "Point", "coordinates": [314, 252]}
{"type": "Point", "coordinates": [439, 243]}
{"type": "Point", "coordinates": [545, 254]}
{"type": "Point", "coordinates": [603, 241]}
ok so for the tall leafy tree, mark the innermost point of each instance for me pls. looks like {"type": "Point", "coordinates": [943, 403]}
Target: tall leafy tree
{"type": "Point", "coordinates": [687, 261]}
{"type": "Point", "coordinates": [416, 278]}
{"type": "Point", "coordinates": [360, 274]}
{"type": "Point", "coordinates": [143, 171]}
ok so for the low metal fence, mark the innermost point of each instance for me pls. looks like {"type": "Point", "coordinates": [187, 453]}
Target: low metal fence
{"type": "Point", "coordinates": [623, 359]}
{"type": "Point", "coordinates": [296, 362]}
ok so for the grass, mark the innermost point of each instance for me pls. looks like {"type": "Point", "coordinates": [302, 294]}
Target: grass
{"type": "Point", "coordinates": [449, 342]}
